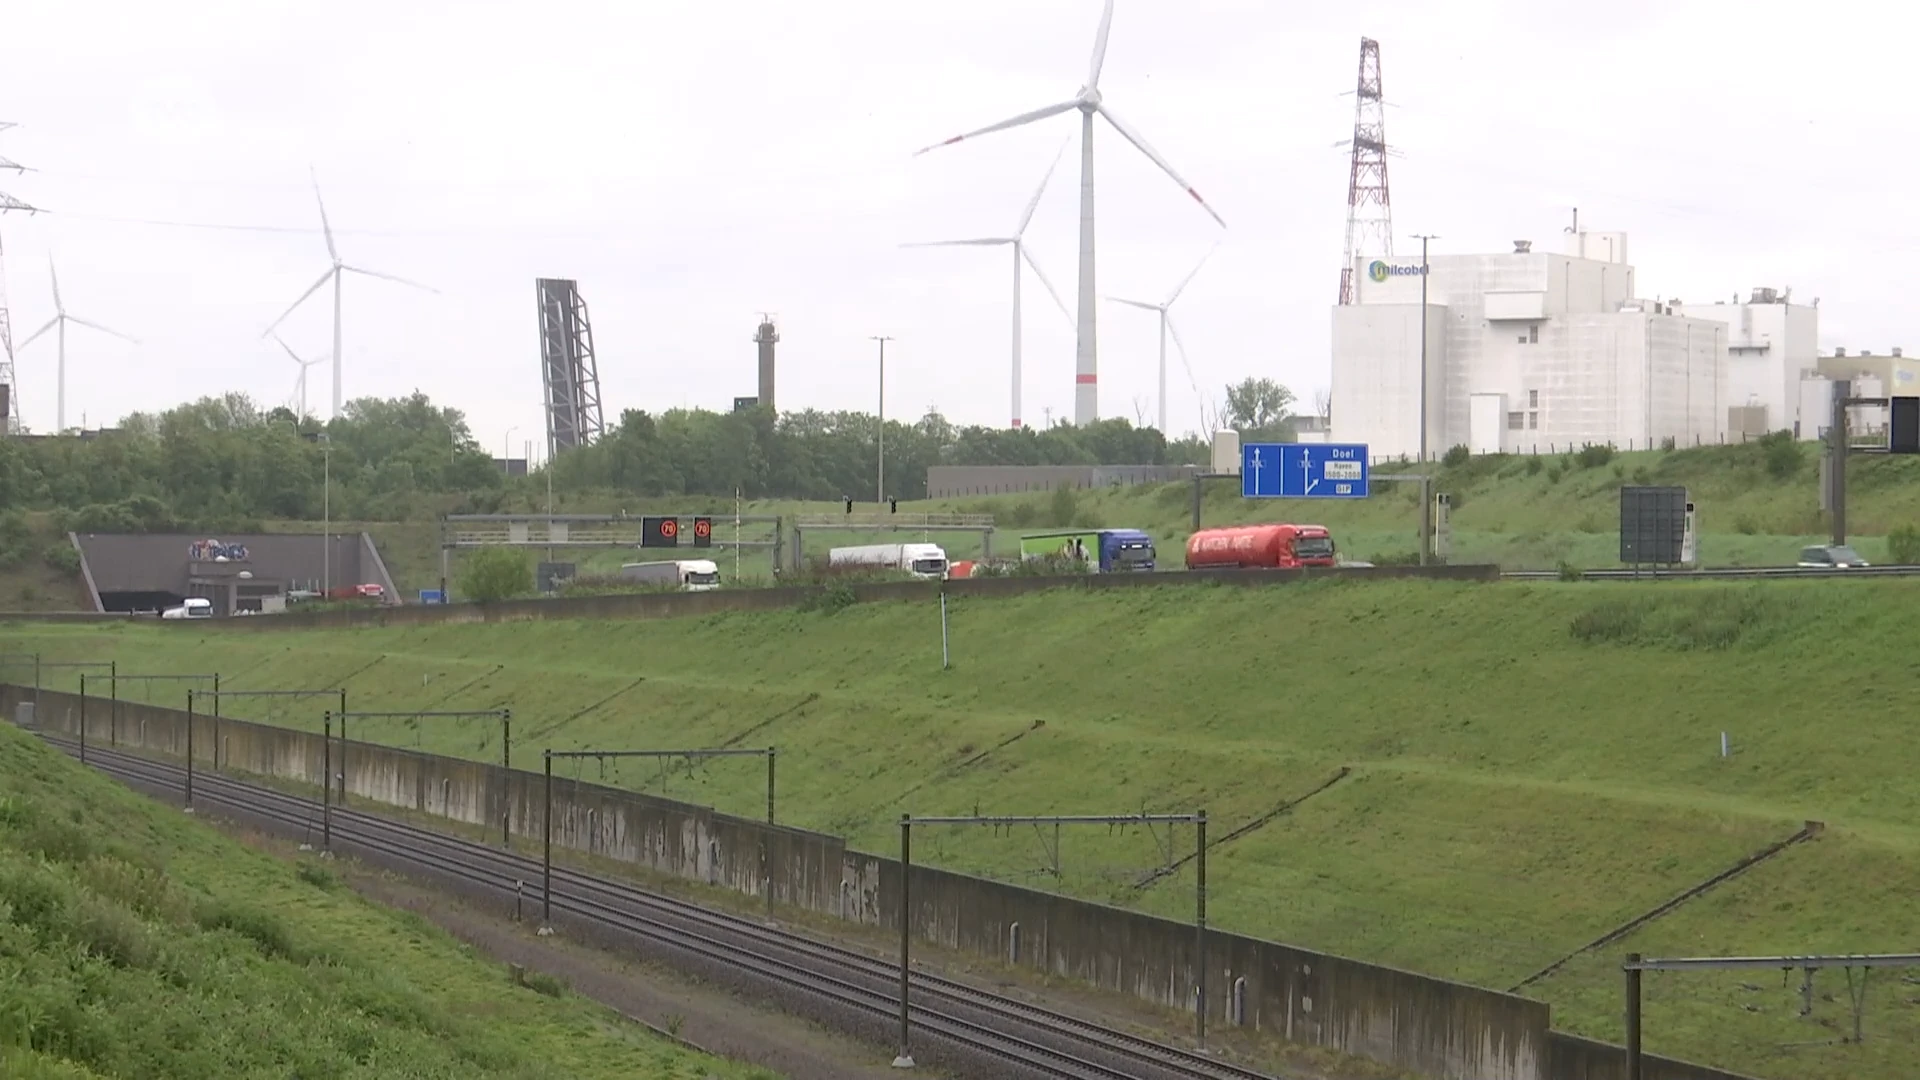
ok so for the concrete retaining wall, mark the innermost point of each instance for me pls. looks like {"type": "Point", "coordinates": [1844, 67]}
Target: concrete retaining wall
{"type": "Point", "coordinates": [1576, 1058]}
{"type": "Point", "coordinates": [1410, 1021]}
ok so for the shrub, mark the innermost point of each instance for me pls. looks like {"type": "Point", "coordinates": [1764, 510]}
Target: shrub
{"type": "Point", "coordinates": [496, 573]}
{"type": "Point", "coordinates": [15, 538]}
{"type": "Point", "coordinates": [1062, 507]}
{"type": "Point", "coordinates": [265, 929]}
{"type": "Point", "coordinates": [1903, 545]}
{"type": "Point", "coordinates": [1570, 572]}
{"type": "Point", "coordinates": [1456, 456]}
{"type": "Point", "coordinates": [62, 556]}
{"type": "Point", "coordinates": [836, 597]}
{"type": "Point", "coordinates": [1534, 465]}
{"type": "Point", "coordinates": [1594, 456]}
{"type": "Point", "coordinates": [317, 876]}
{"type": "Point", "coordinates": [1745, 525]}
{"type": "Point", "coordinates": [1782, 454]}
{"type": "Point", "coordinates": [1554, 474]}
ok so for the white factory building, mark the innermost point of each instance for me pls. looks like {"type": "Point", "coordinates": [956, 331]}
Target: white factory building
{"type": "Point", "coordinates": [1529, 349]}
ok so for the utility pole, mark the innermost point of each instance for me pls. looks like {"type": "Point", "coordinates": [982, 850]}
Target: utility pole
{"type": "Point", "coordinates": [1837, 459]}
{"type": "Point", "coordinates": [1423, 238]}
{"type": "Point", "coordinates": [880, 479]}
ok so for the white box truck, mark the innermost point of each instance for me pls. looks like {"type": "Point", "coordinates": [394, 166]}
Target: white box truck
{"type": "Point", "coordinates": [690, 575]}
{"type": "Point", "coordinates": [920, 560]}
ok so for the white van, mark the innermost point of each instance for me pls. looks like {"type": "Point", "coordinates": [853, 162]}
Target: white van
{"type": "Point", "coordinates": [194, 607]}
{"type": "Point", "coordinates": [920, 560]}
{"type": "Point", "coordinates": [692, 575]}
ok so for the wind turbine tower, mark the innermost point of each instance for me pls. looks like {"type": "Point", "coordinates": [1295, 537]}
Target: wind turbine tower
{"type": "Point", "coordinates": [1167, 327]}
{"type": "Point", "coordinates": [9, 386]}
{"type": "Point", "coordinates": [335, 273]}
{"type": "Point", "coordinates": [1369, 205]}
{"type": "Point", "coordinates": [59, 324]}
{"type": "Point", "coordinates": [1020, 252]}
{"type": "Point", "coordinates": [1089, 102]}
{"type": "Point", "coordinates": [300, 384]}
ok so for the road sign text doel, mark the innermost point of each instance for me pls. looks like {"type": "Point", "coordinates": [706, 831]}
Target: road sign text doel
{"type": "Point", "coordinates": [1303, 470]}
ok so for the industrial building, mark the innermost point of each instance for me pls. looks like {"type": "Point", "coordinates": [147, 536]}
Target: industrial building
{"type": "Point", "coordinates": [1771, 341]}
{"type": "Point", "coordinates": [1530, 349]}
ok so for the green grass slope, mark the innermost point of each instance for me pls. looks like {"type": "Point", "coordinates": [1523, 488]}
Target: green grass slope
{"type": "Point", "coordinates": [135, 942]}
{"type": "Point", "coordinates": [1533, 764]}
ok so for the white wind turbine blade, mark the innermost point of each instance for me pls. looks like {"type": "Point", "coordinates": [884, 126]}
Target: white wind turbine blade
{"type": "Point", "coordinates": [1179, 345]}
{"type": "Point", "coordinates": [55, 275]}
{"type": "Point", "coordinates": [1182, 287]}
{"type": "Point", "coordinates": [51, 323]}
{"type": "Point", "coordinates": [1048, 282]}
{"type": "Point", "coordinates": [1153, 155]}
{"type": "Point", "coordinates": [1100, 47]}
{"type": "Point", "coordinates": [391, 277]}
{"type": "Point", "coordinates": [1034, 203]}
{"type": "Point", "coordinates": [1023, 118]}
{"type": "Point", "coordinates": [1134, 303]}
{"type": "Point", "coordinates": [103, 329]}
{"type": "Point", "coordinates": [303, 299]}
{"type": "Point", "coordinates": [325, 227]}
{"type": "Point", "coordinates": [984, 242]}
{"type": "Point", "coordinates": [289, 349]}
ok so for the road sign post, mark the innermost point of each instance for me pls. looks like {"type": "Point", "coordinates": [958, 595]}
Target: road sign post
{"type": "Point", "coordinates": [1303, 471]}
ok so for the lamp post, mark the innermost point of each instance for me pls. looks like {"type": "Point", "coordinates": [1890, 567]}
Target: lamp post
{"type": "Point", "coordinates": [880, 478]}
{"type": "Point", "coordinates": [326, 509]}
{"type": "Point", "coordinates": [506, 450]}
{"type": "Point", "coordinates": [1423, 238]}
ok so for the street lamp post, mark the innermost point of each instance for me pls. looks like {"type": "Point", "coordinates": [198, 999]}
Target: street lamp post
{"type": "Point", "coordinates": [1423, 238]}
{"type": "Point", "coordinates": [506, 450]}
{"type": "Point", "coordinates": [880, 478]}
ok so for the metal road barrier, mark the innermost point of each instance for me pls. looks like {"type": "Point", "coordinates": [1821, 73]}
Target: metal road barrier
{"type": "Point", "coordinates": [1749, 572]}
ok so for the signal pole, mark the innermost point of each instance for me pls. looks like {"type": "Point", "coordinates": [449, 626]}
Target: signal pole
{"type": "Point", "coordinates": [880, 479]}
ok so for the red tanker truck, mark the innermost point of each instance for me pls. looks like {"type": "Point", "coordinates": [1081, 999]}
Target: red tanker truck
{"type": "Point", "coordinates": [1260, 547]}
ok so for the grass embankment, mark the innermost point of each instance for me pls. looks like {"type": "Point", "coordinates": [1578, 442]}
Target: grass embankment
{"type": "Point", "coordinates": [1533, 764]}
{"type": "Point", "coordinates": [135, 942]}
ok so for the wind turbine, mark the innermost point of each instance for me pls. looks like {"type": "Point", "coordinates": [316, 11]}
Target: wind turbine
{"type": "Point", "coordinates": [1167, 327]}
{"type": "Point", "coordinates": [60, 320]}
{"type": "Point", "coordinates": [300, 384]}
{"type": "Point", "coordinates": [335, 273]}
{"type": "Point", "coordinates": [1020, 252]}
{"type": "Point", "coordinates": [1086, 398]}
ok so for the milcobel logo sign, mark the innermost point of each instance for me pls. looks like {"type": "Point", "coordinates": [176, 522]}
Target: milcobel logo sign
{"type": "Point", "coordinates": [1381, 271]}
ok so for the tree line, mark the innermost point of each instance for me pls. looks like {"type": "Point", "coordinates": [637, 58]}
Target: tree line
{"type": "Point", "coordinates": [226, 463]}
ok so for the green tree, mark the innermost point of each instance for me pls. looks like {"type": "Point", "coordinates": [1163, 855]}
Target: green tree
{"type": "Point", "coordinates": [1258, 409]}
{"type": "Point", "coordinates": [496, 573]}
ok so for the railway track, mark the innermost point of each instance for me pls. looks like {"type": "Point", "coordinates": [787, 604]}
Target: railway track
{"type": "Point", "coordinates": [977, 1023]}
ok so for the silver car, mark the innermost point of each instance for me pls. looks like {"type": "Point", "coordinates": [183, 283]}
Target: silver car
{"type": "Point", "coordinates": [1830, 557]}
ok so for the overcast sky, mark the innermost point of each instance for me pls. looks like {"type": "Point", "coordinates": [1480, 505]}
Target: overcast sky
{"type": "Point", "coordinates": [693, 165]}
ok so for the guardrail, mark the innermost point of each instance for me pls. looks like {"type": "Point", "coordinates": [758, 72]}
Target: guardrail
{"type": "Point", "coordinates": [1721, 572]}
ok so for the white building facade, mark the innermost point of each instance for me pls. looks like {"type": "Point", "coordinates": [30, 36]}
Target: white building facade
{"type": "Point", "coordinates": [1771, 342]}
{"type": "Point", "coordinates": [1524, 349]}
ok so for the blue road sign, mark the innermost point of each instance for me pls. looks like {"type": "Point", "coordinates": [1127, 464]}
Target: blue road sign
{"type": "Point", "coordinates": [1303, 471]}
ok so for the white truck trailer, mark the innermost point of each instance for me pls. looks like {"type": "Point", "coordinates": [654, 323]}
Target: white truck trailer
{"type": "Point", "coordinates": [690, 575]}
{"type": "Point", "coordinates": [920, 560]}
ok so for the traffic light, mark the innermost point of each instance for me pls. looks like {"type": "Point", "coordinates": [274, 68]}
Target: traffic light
{"type": "Point", "coordinates": [893, 505]}
{"type": "Point", "coordinates": [659, 532]}
{"type": "Point", "coordinates": [1903, 432]}
{"type": "Point", "coordinates": [702, 532]}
